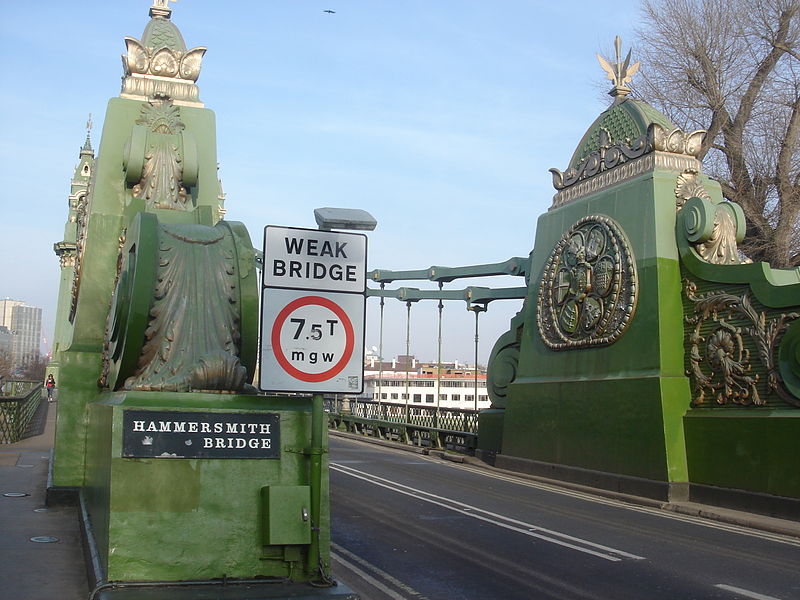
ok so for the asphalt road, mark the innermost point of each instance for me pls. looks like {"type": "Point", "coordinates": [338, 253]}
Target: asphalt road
{"type": "Point", "coordinates": [408, 526]}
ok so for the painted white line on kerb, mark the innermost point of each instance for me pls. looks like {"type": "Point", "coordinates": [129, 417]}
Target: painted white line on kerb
{"type": "Point", "coordinates": [528, 529]}
{"type": "Point", "coordinates": [745, 593]}
{"type": "Point", "coordinates": [366, 577]}
{"type": "Point", "coordinates": [339, 552]}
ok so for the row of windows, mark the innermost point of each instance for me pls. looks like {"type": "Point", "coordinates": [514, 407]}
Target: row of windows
{"type": "Point", "coordinates": [402, 383]}
{"type": "Point", "coordinates": [430, 397]}
{"type": "Point", "coordinates": [427, 383]}
{"type": "Point", "coordinates": [466, 383]}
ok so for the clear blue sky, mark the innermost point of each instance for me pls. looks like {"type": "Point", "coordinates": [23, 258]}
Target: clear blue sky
{"type": "Point", "coordinates": [440, 117]}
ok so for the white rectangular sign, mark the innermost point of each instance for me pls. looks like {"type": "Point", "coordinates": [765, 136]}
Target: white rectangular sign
{"type": "Point", "coordinates": [312, 341]}
{"type": "Point", "coordinates": [312, 259]}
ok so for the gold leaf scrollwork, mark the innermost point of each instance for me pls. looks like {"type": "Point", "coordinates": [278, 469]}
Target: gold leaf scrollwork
{"type": "Point", "coordinates": [687, 185]}
{"type": "Point", "coordinates": [719, 361]}
{"type": "Point", "coordinates": [81, 223]}
{"type": "Point", "coordinates": [613, 153]}
{"type": "Point", "coordinates": [713, 229]}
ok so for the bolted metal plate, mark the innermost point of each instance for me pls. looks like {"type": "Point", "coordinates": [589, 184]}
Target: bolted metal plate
{"type": "Point", "coordinates": [44, 539]}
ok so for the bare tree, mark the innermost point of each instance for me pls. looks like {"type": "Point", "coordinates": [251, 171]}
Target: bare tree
{"type": "Point", "coordinates": [732, 67]}
{"type": "Point", "coordinates": [35, 367]}
{"type": "Point", "coordinates": [6, 365]}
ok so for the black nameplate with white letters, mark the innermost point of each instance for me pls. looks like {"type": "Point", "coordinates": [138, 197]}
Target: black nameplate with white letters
{"type": "Point", "coordinates": [167, 434]}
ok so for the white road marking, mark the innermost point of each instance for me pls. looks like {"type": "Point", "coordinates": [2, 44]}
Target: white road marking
{"type": "Point", "coordinates": [766, 535]}
{"type": "Point", "coordinates": [529, 529]}
{"type": "Point", "coordinates": [339, 551]}
{"type": "Point", "coordinates": [657, 512]}
{"type": "Point", "coordinates": [745, 593]}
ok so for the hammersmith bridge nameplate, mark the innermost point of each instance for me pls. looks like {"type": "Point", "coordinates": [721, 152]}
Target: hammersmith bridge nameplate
{"type": "Point", "coordinates": [163, 434]}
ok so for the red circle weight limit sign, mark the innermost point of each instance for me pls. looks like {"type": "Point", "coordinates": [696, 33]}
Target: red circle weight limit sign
{"type": "Point", "coordinates": [280, 321]}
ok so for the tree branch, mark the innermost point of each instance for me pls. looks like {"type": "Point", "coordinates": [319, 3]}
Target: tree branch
{"type": "Point", "coordinates": [787, 151]}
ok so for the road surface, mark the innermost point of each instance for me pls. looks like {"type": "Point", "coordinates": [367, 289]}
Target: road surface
{"type": "Point", "coordinates": [408, 526]}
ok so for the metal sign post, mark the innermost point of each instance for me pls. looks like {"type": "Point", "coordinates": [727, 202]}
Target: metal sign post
{"type": "Point", "coordinates": [313, 305]}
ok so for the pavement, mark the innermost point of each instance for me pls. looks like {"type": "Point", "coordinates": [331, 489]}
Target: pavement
{"type": "Point", "coordinates": [32, 570]}
{"type": "Point", "coordinates": [44, 570]}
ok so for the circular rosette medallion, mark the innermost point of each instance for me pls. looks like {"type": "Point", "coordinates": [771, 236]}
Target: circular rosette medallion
{"type": "Point", "coordinates": [588, 291]}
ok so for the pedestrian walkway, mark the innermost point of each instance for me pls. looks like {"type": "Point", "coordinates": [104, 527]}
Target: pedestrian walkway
{"type": "Point", "coordinates": [37, 570]}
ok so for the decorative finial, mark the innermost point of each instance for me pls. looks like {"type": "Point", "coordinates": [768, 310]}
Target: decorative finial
{"type": "Point", "coordinates": [161, 8]}
{"type": "Point", "coordinates": [87, 145]}
{"type": "Point", "coordinates": [620, 73]}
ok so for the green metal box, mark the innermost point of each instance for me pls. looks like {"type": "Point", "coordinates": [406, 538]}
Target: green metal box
{"type": "Point", "coordinates": [285, 514]}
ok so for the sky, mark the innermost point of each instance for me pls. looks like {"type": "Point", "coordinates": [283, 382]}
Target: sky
{"type": "Point", "coordinates": [439, 117]}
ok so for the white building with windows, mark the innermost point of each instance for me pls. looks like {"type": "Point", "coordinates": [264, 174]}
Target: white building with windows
{"type": "Point", "coordinates": [405, 379]}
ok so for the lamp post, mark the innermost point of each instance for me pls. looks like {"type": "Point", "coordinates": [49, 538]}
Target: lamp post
{"type": "Point", "coordinates": [327, 220]}
{"type": "Point", "coordinates": [477, 309]}
{"type": "Point", "coordinates": [439, 365]}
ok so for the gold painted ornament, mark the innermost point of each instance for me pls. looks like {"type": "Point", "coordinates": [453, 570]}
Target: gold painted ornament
{"type": "Point", "coordinates": [588, 291]}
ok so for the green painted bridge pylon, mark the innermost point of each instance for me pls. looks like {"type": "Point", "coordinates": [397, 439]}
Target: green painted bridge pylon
{"type": "Point", "coordinates": [649, 357]}
{"type": "Point", "coordinates": [185, 473]}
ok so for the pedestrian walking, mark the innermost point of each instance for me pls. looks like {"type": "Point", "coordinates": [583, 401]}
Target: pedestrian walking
{"type": "Point", "coordinates": [50, 385]}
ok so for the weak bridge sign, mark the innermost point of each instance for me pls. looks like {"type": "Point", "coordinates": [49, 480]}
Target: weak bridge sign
{"type": "Point", "coordinates": [312, 311]}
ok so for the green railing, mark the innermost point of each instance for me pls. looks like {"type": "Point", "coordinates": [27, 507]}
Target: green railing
{"type": "Point", "coordinates": [18, 403]}
{"type": "Point", "coordinates": [448, 428]}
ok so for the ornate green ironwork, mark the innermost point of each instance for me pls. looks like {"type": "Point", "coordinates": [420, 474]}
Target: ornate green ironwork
{"type": "Point", "coordinates": [17, 410]}
{"type": "Point", "coordinates": [455, 429]}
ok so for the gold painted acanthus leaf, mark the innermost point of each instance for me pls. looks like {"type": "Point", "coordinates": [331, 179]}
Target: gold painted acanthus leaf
{"type": "Point", "coordinates": [164, 63]}
{"type": "Point", "coordinates": [191, 62]}
{"type": "Point", "coordinates": [138, 59]}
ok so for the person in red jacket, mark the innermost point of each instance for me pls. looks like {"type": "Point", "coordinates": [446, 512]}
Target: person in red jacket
{"type": "Point", "coordinates": [50, 384]}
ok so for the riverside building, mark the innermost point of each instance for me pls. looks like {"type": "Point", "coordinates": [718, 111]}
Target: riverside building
{"type": "Point", "coordinates": [423, 384]}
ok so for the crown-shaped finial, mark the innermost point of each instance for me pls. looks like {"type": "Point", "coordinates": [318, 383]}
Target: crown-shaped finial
{"type": "Point", "coordinates": [620, 73]}
{"type": "Point", "coordinates": [159, 63]}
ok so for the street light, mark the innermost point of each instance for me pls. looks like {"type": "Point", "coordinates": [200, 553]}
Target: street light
{"type": "Point", "coordinates": [344, 218]}
{"type": "Point", "coordinates": [327, 219]}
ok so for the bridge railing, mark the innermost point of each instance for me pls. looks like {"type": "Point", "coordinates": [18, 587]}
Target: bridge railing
{"type": "Point", "coordinates": [435, 427]}
{"type": "Point", "coordinates": [18, 403]}
{"type": "Point", "coordinates": [443, 428]}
